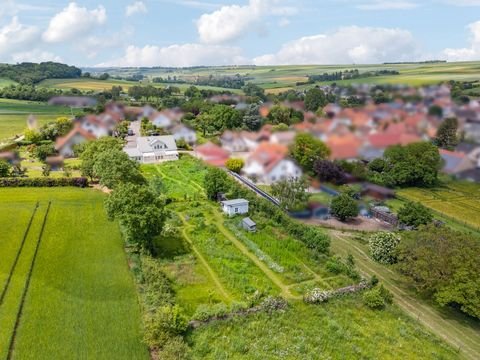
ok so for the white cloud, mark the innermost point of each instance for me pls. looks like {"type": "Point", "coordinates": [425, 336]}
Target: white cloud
{"type": "Point", "coordinates": [184, 55]}
{"type": "Point", "coordinates": [35, 56]}
{"type": "Point", "coordinates": [15, 36]}
{"type": "Point", "coordinates": [388, 5]}
{"type": "Point", "coordinates": [347, 45]}
{"type": "Point", "coordinates": [136, 8]}
{"type": "Point", "coordinates": [232, 21]}
{"type": "Point", "coordinates": [72, 22]}
{"type": "Point", "coordinates": [463, 2]}
{"type": "Point", "coordinates": [468, 53]}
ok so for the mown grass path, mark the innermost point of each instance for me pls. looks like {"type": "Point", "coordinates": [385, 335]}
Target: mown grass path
{"type": "Point", "coordinates": [205, 263]}
{"type": "Point", "coordinates": [458, 332]}
{"type": "Point", "coordinates": [218, 222]}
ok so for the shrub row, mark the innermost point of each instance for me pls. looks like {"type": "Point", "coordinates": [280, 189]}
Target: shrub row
{"type": "Point", "coordinates": [317, 296]}
{"type": "Point", "coordinates": [44, 182]}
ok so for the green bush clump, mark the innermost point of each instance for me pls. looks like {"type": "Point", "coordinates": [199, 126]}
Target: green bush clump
{"type": "Point", "coordinates": [377, 297]}
{"type": "Point", "coordinates": [162, 325]}
{"type": "Point", "coordinates": [383, 247]}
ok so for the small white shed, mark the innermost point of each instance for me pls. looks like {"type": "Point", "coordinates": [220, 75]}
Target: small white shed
{"type": "Point", "coordinates": [235, 207]}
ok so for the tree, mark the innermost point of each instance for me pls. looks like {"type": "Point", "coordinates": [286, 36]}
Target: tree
{"type": "Point", "coordinates": [447, 134]}
{"type": "Point", "coordinates": [315, 99]}
{"type": "Point", "coordinates": [344, 207]}
{"type": "Point", "coordinates": [306, 150]}
{"type": "Point", "coordinates": [5, 168]}
{"type": "Point", "coordinates": [113, 167]}
{"type": "Point", "coordinates": [225, 117]}
{"type": "Point", "coordinates": [139, 211]}
{"type": "Point", "coordinates": [383, 246]}
{"type": "Point", "coordinates": [235, 165]}
{"type": "Point", "coordinates": [93, 149]}
{"type": "Point", "coordinates": [279, 115]}
{"type": "Point", "coordinates": [43, 151]}
{"type": "Point", "coordinates": [254, 91]}
{"type": "Point", "coordinates": [414, 214]}
{"type": "Point", "coordinates": [329, 171]}
{"type": "Point", "coordinates": [216, 181]}
{"type": "Point", "coordinates": [444, 264]}
{"type": "Point", "coordinates": [416, 164]}
{"type": "Point", "coordinates": [291, 193]}
{"type": "Point", "coordinates": [435, 110]}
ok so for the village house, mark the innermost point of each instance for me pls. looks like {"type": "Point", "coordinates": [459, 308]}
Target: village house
{"type": "Point", "coordinates": [269, 163]}
{"type": "Point", "coordinates": [455, 162]}
{"type": "Point", "coordinates": [212, 154]}
{"type": "Point", "coordinates": [233, 141]}
{"type": "Point", "coordinates": [166, 118]}
{"type": "Point", "coordinates": [153, 149]}
{"type": "Point", "coordinates": [182, 132]}
{"type": "Point", "coordinates": [234, 207]}
{"type": "Point", "coordinates": [78, 135]}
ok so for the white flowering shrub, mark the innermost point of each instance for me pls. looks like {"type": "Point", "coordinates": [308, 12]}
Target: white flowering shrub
{"type": "Point", "coordinates": [383, 247]}
{"type": "Point", "coordinates": [316, 296]}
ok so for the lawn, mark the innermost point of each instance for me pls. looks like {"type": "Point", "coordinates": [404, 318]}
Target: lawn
{"type": "Point", "coordinates": [80, 298]}
{"type": "Point", "coordinates": [14, 115]}
{"type": "Point", "coordinates": [217, 262]}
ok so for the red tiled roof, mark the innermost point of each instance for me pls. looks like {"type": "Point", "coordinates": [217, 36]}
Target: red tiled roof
{"type": "Point", "coordinates": [344, 147]}
{"type": "Point", "coordinates": [76, 130]}
{"type": "Point", "coordinates": [210, 150]}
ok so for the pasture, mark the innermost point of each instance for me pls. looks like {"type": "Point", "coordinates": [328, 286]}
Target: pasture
{"type": "Point", "coordinates": [64, 282]}
{"type": "Point", "coordinates": [14, 115]}
{"type": "Point", "coordinates": [213, 261]}
{"type": "Point", "coordinates": [458, 201]}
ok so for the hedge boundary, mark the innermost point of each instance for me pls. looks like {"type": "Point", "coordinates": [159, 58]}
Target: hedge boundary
{"type": "Point", "coordinates": [81, 182]}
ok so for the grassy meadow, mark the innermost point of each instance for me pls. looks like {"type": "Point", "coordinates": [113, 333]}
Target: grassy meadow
{"type": "Point", "coordinates": [71, 279]}
{"type": "Point", "coordinates": [14, 115]}
{"type": "Point", "coordinates": [214, 262]}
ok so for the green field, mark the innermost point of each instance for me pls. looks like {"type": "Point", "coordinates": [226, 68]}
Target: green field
{"type": "Point", "coordinates": [14, 115]}
{"type": "Point", "coordinates": [69, 293]}
{"type": "Point", "coordinates": [459, 201]}
{"type": "Point", "coordinates": [281, 78]}
{"type": "Point", "coordinates": [216, 262]}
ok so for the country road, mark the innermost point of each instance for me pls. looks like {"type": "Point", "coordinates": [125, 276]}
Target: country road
{"type": "Point", "coordinates": [456, 330]}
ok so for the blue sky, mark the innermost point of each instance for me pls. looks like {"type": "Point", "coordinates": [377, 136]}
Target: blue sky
{"type": "Point", "coordinates": [221, 32]}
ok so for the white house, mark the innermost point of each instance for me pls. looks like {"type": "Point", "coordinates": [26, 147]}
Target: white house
{"type": "Point", "coordinates": [153, 149]}
{"type": "Point", "coordinates": [235, 207]}
{"type": "Point", "coordinates": [183, 132]}
{"type": "Point", "coordinates": [166, 118]}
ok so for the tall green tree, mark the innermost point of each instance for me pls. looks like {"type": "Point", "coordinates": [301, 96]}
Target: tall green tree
{"type": "Point", "coordinates": [447, 134]}
{"type": "Point", "coordinates": [306, 150]}
{"type": "Point", "coordinates": [291, 193]}
{"type": "Point", "coordinates": [443, 264]}
{"type": "Point", "coordinates": [215, 181]}
{"type": "Point", "coordinates": [344, 207]}
{"type": "Point", "coordinates": [93, 149]}
{"type": "Point", "coordinates": [113, 167]}
{"type": "Point", "coordinates": [315, 99]}
{"type": "Point", "coordinates": [139, 211]}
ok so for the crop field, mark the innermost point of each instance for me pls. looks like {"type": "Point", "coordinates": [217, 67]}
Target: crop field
{"type": "Point", "coordinates": [14, 115]}
{"type": "Point", "coordinates": [276, 79]}
{"type": "Point", "coordinates": [65, 287]}
{"type": "Point", "coordinates": [459, 201]}
{"type": "Point", "coordinates": [215, 261]}
{"type": "Point", "coordinates": [100, 85]}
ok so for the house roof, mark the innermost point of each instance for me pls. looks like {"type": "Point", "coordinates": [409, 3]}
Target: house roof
{"type": "Point", "coordinates": [145, 143]}
{"type": "Point", "coordinates": [211, 150]}
{"type": "Point", "coordinates": [344, 146]}
{"type": "Point", "coordinates": [235, 202]}
{"type": "Point", "coordinates": [451, 159]}
{"type": "Point", "coordinates": [61, 142]}
{"type": "Point", "coordinates": [383, 140]}
{"type": "Point", "coordinates": [268, 155]}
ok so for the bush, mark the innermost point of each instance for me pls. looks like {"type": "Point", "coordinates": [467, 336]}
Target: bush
{"type": "Point", "coordinates": [414, 214]}
{"type": "Point", "coordinates": [272, 304]}
{"type": "Point", "coordinates": [373, 298]}
{"type": "Point", "coordinates": [206, 312]}
{"type": "Point", "coordinates": [235, 165]}
{"type": "Point", "coordinates": [43, 182]}
{"type": "Point", "coordinates": [377, 297]}
{"type": "Point", "coordinates": [335, 265]}
{"type": "Point", "coordinates": [316, 296]}
{"type": "Point", "coordinates": [383, 246]}
{"type": "Point", "coordinates": [167, 322]}
{"type": "Point", "coordinates": [344, 207]}
{"type": "Point", "coordinates": [174, 349]}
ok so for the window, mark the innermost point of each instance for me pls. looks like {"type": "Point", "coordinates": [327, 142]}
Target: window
{"type": "Point", "coordinates": [236, 210]}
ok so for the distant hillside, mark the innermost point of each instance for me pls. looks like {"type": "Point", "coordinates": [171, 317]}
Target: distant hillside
{"type": "Point", "coordinates": [31, 73]}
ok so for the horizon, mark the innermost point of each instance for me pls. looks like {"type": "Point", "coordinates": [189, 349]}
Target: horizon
{"type": "Point", "coordinates": [164, 33]}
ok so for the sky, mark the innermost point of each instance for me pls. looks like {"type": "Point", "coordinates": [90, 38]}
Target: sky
{"type": "Point", "coordinates": [183, 33]}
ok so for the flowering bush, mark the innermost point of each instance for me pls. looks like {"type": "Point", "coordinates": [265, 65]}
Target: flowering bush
{"type": "Point", "coordinates": [316, 296]}
{"type": "Point", "coordinates": [383, 247]}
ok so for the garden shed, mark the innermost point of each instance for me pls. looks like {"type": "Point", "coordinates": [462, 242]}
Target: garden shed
{"type": "Point", "coordinates": [235, 207]}
{"type": "Point", "coordinates": [249, 225]}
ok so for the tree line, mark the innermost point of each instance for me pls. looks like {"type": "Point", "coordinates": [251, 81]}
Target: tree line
{"type": "Point", "coordinates": [32, 73]}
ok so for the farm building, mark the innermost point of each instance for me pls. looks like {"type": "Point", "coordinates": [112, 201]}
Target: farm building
{"type": "Point", "coordinates": [249, 225]}
{"type": "Point", "coordinates": [235, 207]}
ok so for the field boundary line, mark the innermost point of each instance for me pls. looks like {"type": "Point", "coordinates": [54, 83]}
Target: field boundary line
{"type": "Point", "coordinates": [27, 285]}
{"type": "Point", "coordinates": [19, 251]}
